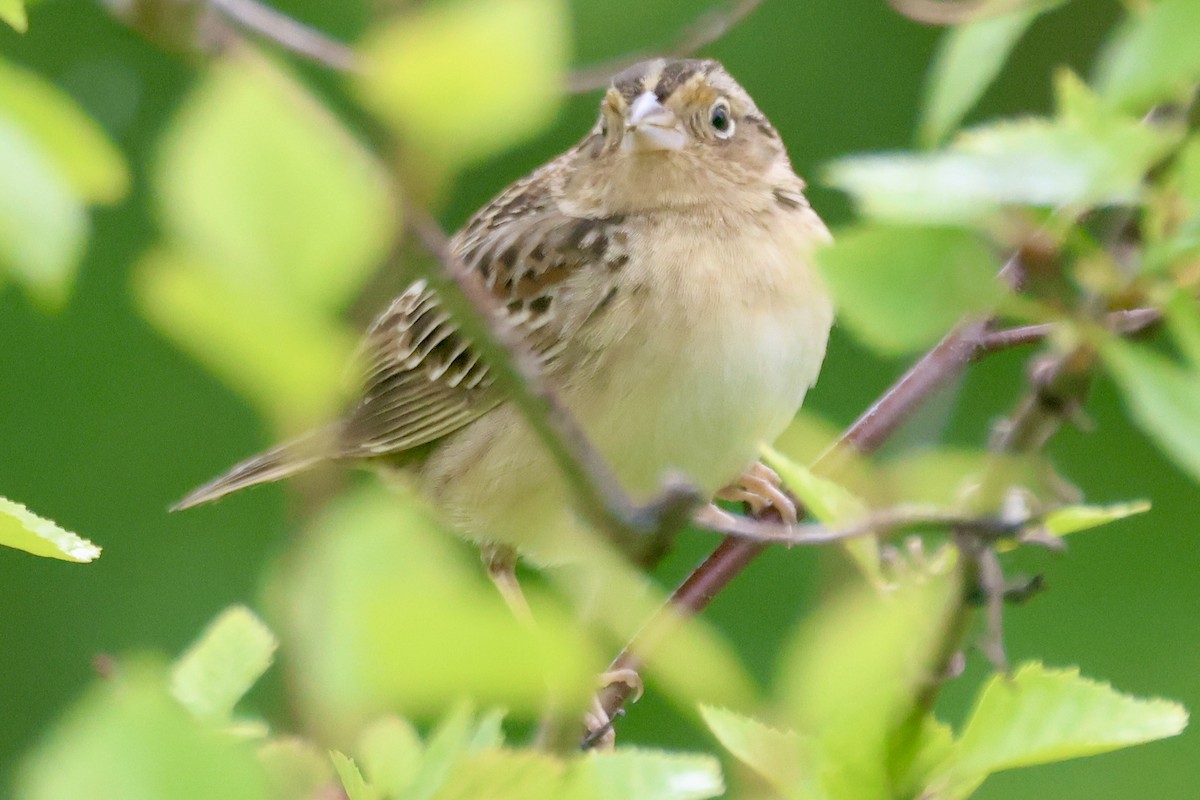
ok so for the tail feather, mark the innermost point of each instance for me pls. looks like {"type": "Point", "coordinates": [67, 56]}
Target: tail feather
{"type": "Point", "coordinates": [281, 461]}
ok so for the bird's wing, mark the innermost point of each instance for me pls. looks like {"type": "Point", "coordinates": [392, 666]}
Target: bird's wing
{"type": "Point", "coordinates": [424, 379]}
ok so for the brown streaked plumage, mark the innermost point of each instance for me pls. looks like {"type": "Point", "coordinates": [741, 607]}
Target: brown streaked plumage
{"type": "Point", "coordinates": [660, 269]}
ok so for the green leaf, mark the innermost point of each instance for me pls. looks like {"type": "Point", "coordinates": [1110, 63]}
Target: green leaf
{"type": "Point", "coordinates": [1086, 156]}
{"type": "Point", "coordinates": [899, 289]}
{"type": "Point", "coordinates": [1183, 320]}
{"type": "Point", "coordinates": [289, 361]}
{"type": "Point", "coordinates": [391, 752]}
{"type": "Point", "coordinates": [390, 616]}
{"type": "Point", "coordinates": [1162, 398]}
{"type": "Point", "coordinates": [791, 765]}
{"type": "Point", "coordinates": [462, 80]}
{"type": "Point", "coordinates": [128, 739]}
{"type": "Point", "coordinates": [968, 59]}
{"type": "Point", "coordinates": [1041, 715]}
{"type": "Point", "coordinates": [1152, 57]}
{"type": "Point", "coordinates": [1071, 519]}
{"type": "Point", "coordinates": [221, 666]}
{"type": "Point", "coordinates": [351, 779]}
{"type": "Point", "coordinates": [295, 768]}
{"type": "Point", "coordinates": [851, 675]}
{"type": "Point", "coordinates": [448, 743]}
{"type": "Point", "coordinates": [24, 530]}
{"type": "Point", "coordinates": [78, 147]}
{"type": "Point", "coordinates": [505, 775]}
{"type": "Point", "coordinates": [43, 226]}
{"type": "Point", "coordinates": [13, 12]}
{"type": "Point", "coordinates": [832, 504]}
{"type": "Point", "coordinates": [650, 775]}
{"type": "Point", "coordinates": [262, 185]}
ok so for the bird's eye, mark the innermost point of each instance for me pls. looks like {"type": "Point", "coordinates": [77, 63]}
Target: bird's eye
{"type": "Point", "coordinates": [603, 125]}
{"type": "Point", "coordinates": [721, 118]}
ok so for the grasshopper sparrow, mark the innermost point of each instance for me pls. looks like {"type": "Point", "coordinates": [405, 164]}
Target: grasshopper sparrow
{"type": "Point", "coordinates": [661, 269]}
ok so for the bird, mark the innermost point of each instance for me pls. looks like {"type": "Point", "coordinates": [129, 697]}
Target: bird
{"type": "Point", "coordinates": [661, 271]}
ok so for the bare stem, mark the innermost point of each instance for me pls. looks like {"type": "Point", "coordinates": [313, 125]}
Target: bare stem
{"type": "Point", "coordinates": [953, 12]}
{"type": "Point", "coordinates": [267, 23]}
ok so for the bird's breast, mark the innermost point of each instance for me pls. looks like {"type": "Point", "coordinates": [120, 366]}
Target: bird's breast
{"type": "Point", "coordinates": [715, 335]}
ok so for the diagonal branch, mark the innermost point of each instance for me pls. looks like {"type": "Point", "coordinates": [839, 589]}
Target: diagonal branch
{"type": "Point", "coordinates": [705, 30]}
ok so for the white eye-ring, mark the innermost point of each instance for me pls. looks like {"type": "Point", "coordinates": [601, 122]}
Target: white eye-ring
{"type": "Point", "coordinates": [721, 118]}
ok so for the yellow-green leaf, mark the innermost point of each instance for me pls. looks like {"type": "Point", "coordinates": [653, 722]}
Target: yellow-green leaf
{"type": "Point", "coordinates": [1162, 397]}
{"type": "Point", "coordinates": [1071, 519]}
{"type": "Point", "coordinates": [968, 59]}
{"type": "Point", "coordinates": [13, 12]}
{"type": "Point", "coordinates": [464, 79]}
{"type": "Point", "coordinates": [1152, 57]}
{"type": "Point", "coordinates": [650, 775]}
{"type": "Point", "coordinates": [128, 739]}
{"type": "Point", "coordinates": [352, 780]}
{"type": "Point", "coordinates": [900, 288]}
{"type": "Point", "coordinates": [790, 764]}
{"type": "Point", "coordinates": [80, 149]}
{"type": "Point", "coordinates": [43, 225]}
{"type": "Point", "coordinates": [290, 361]}
{"type": "Point", "coordinates": [221, 666]}
{"type": "Point", "coordinates": [263, 186]}
{"type": "Point", "coordinates": [24, 530]}
{"type": "Point", "coordinates": [1040, 715]}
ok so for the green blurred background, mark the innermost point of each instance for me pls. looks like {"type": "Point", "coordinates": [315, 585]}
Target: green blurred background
{"type": "Point", "coordinates": [103, 423]}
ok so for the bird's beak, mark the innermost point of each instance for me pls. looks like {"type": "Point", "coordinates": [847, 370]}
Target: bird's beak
{"type": "Point", "coordinates": [652, 127]}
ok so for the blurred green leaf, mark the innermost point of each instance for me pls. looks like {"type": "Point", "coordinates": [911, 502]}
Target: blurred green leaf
{"type": "Point", "coordinates": [1162, 398]}
{"type": "Point", "coordinates": [13, 12]}
{"type": "Point", "coordinates": [826, 500]}
{"type": "Point", "coordinates": [505, 775]}
{"type": "Point", "coordinates": [24, 530]}
{"type": "Point", "coordinates": [1152, 57]}
{"type": "Point", "coordinates": [289, 362]}
{"type": "Point", "coordinates": [391, 752]}
{"type": "Point", "coordinates": [900, 288]}
{"type": "Point", "coordinates": [91, 164]}
{"type": "Point", "coordinates": [649, 775]}
{"type": "Point", "coordinates": [462, 80]}
{"type": "Point", "coordinates": [968, 59]}
{"type": "Point", "coordinates": [128, 739]}
{"type": "Point", "coordinates": [351, 779]}
{"type": "Point", "coordinates": [390, 615]}
{"type": "Point", "coordinates": [786, 761]}
{"type": "Point", "coordinates": [448, 743]}
{"type": "Point", "coordinates": [266, 189]}
{"type": "Point", "coordinates": [850, 677]}
{"type": "Point", "coordinates": [932, 748]}
{"type": "Point", "coordinates": [43, 227]}
{"type": "Point", "coordinates": [296, 769]}
{"type": "Point", "coordinates": [830, 503]}
{"type": "Point", "coordinates": [1072, 519]}
{"type": "Point", "coordinates": [1086, 156]}
{"type": "Point", "coordinates": [221, 666]}
{"type": "Point", "coordinates": [1182, 312]}
{"type": "Point", "coordinates": [1040, 715]}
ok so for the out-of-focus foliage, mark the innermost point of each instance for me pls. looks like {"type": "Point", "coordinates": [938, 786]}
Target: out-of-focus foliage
{"type": "Point", "coordinates": [13, 12]}
{"type": "Point", "coordinates": [462, 80]}
{"type": "Point", "coordinates": [274, 218]}
{"type": "Point", "coordinates": [24, 530]}
{"type": "Point", "coordinates": [54, 161]}
{"type": "Point", "coordinates": [407, 678]}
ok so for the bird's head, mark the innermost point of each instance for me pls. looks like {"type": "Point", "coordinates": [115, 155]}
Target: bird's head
{"type": "Point", "coordinates": [675, 134]}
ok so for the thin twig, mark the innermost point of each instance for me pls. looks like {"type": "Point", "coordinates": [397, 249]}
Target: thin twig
{"type": "Point", "coordinates": [953, 12]}
{"type": "Point", "coordinates": [705, 30]}
{"type": "Point", "coordinates": [296, 37]}
{"type": "Point", "coordinates": [1122, 323]}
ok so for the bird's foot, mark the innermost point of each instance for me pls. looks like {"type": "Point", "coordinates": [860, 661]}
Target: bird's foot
{"type": "Point", "coordinates": [760, 488]}
{"type": "Point", "coordinates": [597, 722]}
{"type": "Point", "coordinates": [501, 564]}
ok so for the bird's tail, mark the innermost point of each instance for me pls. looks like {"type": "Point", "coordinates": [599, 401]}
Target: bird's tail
{"type": "Point", "coordinates": [281, 461]}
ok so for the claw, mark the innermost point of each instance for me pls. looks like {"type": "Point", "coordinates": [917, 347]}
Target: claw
{"type": "Point", "coordinates": [761, 488]}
